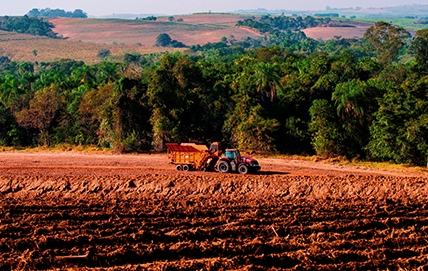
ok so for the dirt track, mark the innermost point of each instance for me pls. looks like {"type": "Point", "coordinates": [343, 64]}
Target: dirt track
{"type": "Point", "coordinates": [135, 212]}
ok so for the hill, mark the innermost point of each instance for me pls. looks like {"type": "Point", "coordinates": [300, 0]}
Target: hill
{"type": "Point", "coordinates": [194, 29]}
{"type": "Point", "coordinates": [84, 38]}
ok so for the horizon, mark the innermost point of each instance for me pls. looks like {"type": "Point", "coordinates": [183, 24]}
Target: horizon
{"type": "Point", "coordinates": [166, 7]}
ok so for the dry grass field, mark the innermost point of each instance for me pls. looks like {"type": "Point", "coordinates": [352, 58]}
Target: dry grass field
{"type": "Point", "coordinates": [86, 37]}
{"type": "Point", "coordinates": [195, 29]}
{"type": "Point", "coordinates": [20, 47]}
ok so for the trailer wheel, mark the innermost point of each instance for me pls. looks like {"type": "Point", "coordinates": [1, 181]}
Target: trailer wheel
{"type": "Point", "coordinates": [243, 169]}
{"type": "Point", "coordinates": [179, 167]}
{"type": "Point", "coordinates": [186, 167]}
{"type": "Point", "coordinates": [223, 167]}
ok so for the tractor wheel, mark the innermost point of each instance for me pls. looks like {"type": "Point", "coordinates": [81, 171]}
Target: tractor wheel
{"type": "Point", "coordinates": [179, 167]}
{"type": "Point", "coordinates": [223, 167]}
{"type": "Point", "coordinates": [243, 169]}
{"type": "Point", "coordinates": [186, 167]}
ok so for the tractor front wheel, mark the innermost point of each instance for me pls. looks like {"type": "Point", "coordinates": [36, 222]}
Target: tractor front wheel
{"type": "Point", "coordinates": [243, 169]}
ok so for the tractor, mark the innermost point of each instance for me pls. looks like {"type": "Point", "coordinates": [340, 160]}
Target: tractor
{"type": "Point", "coordinates": [191, 156]}
{"type": "Point", "coordinates": [234, 162]}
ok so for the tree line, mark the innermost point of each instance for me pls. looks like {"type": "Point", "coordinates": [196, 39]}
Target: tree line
{"type": "Point", "coordinates": [356, 101]}
{"type": "Point", "coordinates": [54, 13]}
{"type": "Point", "coordinates": [27, 25]}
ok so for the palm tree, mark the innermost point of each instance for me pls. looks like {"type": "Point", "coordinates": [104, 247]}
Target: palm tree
{"type": "Point", "coordinates": [349, 98]}
{"type": "Point", "coordinates": [266, 77]}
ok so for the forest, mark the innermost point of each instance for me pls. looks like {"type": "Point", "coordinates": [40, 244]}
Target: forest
{"type": "Point", "coordinates": [356, 98]}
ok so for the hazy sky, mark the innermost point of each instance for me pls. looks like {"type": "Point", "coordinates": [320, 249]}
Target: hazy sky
{"type": "Point", "coordinates": [176, 7]}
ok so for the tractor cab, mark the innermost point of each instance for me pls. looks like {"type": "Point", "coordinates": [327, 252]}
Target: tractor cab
{"type": "Point", "coordinates": [233, 154]}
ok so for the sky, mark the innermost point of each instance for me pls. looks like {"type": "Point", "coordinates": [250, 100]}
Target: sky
{"type": "Point", "coordinates": [180, 7]}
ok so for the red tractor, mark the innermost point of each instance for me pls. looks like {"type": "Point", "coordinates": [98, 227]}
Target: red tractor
{"type": "Point", "coordinates": [234, 162]}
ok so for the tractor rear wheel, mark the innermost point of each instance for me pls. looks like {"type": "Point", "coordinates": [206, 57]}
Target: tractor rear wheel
{"type": "Point", "coordinates": [179, 167]}
{"type": "Point", "coordinates": [186, 167]}
{"type": "Point", "coordinates": [243, 169]}
{"type": "Point", "coordinates": [223, 167]}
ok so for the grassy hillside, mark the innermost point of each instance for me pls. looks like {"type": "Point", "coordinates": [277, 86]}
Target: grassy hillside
{"type": "Point", "coordinates": [194, 29]}
{"type": "Point", "coordinates": [86, 37]}
{"type": "Point", "coordinates": [22, 47]}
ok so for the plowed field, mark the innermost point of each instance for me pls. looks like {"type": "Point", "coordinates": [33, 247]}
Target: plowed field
{"type": "Point", "coordinates": [66, 211]}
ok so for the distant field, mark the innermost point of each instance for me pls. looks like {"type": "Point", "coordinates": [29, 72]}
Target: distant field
{"type": "Point", "coordinates": [326, 33]}
{"type": "Point", "coordinates": [86, 37]}
{"type": "Point", "coordinates": [195, 29]}
{"type": "Point", "coordinates": [20, 47]}
{"type": "Point", "coordinates": [410, 24]}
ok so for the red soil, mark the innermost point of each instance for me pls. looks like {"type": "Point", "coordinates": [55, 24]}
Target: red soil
{"type": "Point", "coordinates": [73, 211]}
{"type": "Point", "coordinates": [326, 33]}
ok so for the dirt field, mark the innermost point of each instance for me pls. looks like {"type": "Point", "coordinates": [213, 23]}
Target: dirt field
{"type": "Point", "coordinates": [72, 211]}
{"type": "Point", "coordinates": [327, 33]}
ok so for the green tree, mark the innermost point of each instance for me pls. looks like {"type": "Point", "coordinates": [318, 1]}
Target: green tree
{"type": "Point", "coordinates": [386, 40]}
{"type": "Point", "coordinates": [250, 125]}
{"type": "Point", "coordinates": [300, 88]}
{"type": "Point", "coordinates": [97, 116]}
{"type": "Point", "coordinates": [214, 98]}
{"type": "Point", "coordinates": [116, 115]}
{"type": "Point", "coordinates": [173, 88]}
{"type": "Point", "coordinates": [420, 47]}
{"type": "Point", "coordinates": [78, 13]}
{"type": "Point", "coordinates": [326, 133]}
{"type": "Point", "coordinates": [163, 40]}
{"type": "Point", "coordinates": [355, 102]}
{"type": "Point", "coordinates": [132, 129]}
{"type": "Point", "coordinates": [10, 134]}
{"type": "Point", "coordinates": [400, 130]}
{"type": "Point", "coordinates": [42, 113]}
{"type": "Point", "coordinates": [350, 98]}
{"type": "Point", "coordinates": [9, 91]}
{"type": "Point", "coordinates": [267, 78]}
